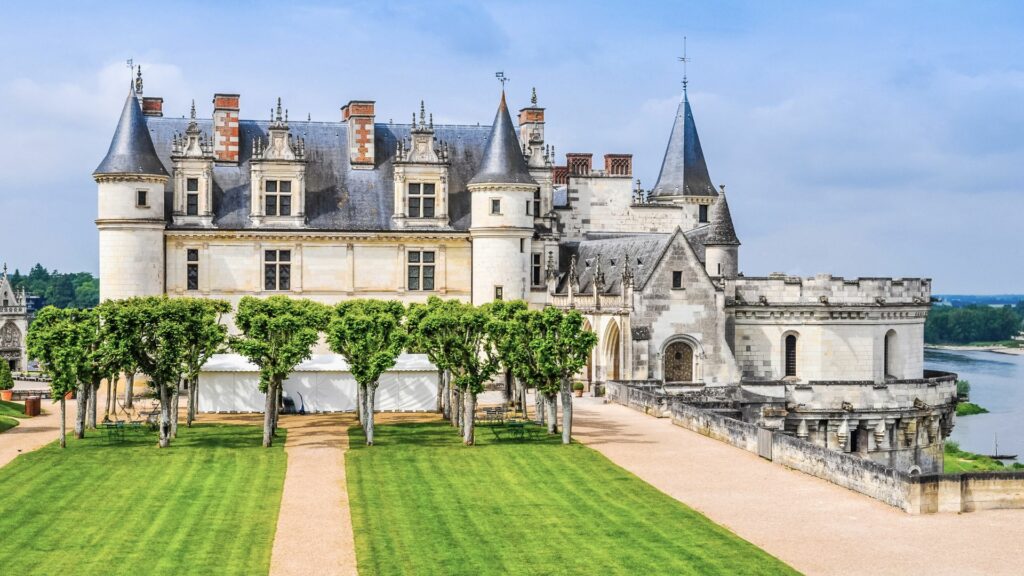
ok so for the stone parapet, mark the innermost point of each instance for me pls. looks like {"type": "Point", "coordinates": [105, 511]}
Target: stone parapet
{"type": "Point", "coordinates": [826, 290]}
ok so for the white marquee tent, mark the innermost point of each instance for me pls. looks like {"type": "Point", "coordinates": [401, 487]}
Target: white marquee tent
{"type": "Point", "coordinates": [230, 383]}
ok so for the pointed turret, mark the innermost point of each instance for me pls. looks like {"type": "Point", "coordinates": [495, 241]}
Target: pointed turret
{"type": "Point", "coordinates": [722, 232]}
{"type": "Point", "coordinates": [683, 170]}
{"type": "Point", "coordinates": [131, 151]}
{"type": "Point", "coordinates": [503, 161]}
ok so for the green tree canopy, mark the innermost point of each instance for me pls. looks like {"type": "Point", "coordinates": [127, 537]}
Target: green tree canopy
{"type": "Point", "coordinates": [562, 347]}
{"type": "Point", "coordinates": [278, 333]}
{"type": "Point", "coordinates": [370, 335]}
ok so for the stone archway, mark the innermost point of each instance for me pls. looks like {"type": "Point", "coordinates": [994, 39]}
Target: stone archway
{"type": "Point", "coordinates": [613, 356]}
{"type": "Point", "coordinates": [11, 345]}
{"type": "Point", "coordinates": [678, 362]}
{"type": "Point", "coordinates": [589, 369]}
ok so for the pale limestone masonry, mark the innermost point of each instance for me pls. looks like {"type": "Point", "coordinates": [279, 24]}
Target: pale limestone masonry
{"type": "Point", "coordinates": [333, 210]}
{"type": "Point", "coordinates": [14, 319]}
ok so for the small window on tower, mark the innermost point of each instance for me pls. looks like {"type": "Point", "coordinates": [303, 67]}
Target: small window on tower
{"type": "Point", "coordinates": [536, 202]}
{"type": "Point", "coordinates": [703, 213]}
{"type": "Point", "coordinates": [495, 206]}
{"type": "Point", "coordinates": [498, 292]}
{"type": "Point", "coordinates": [192, 196]}
{"type": "Point", "coordinates": [141, 199]}
{"type": "Point", "coordinates": [677, 279]}
{"type": "Point", "coordinates": [536, 269]}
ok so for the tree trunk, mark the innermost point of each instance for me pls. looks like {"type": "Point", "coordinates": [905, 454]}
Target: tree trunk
{"type": "Point", "coordinates": [540, 406]}
{"type": "Point", "coordinates": [440, 391]}
{"type": "Point", "coordinates": [522, 400]}
{"type": "Point", "coordinates": [278, 405]}
{"type": "Point", "coordinates": [371, 393]}
{"type": "Point", "coordinates": [268, 416]}
{"type": "Point", "coordinates": [456, 405]}
{"type": "Point", "coordinates": [193, 396]}
{"type": "Point", "coordinates": [446, 405]}
{"type": "Point", "coordinates": [80, 409]}
{"type": "Point", "coordinates": [552, 402]}
{"type": "Point", "coordinates": [175, 397]}
{"type": "Point", "coordinates": [566, 412]}
{"type": "Point", "coordinates": [129, 385]}
{"type": "Point", "coordinates": [63, 425]}
{"type": "Point", "coordinates": [106, 401]}
{"type": "Point", "coordinates": [165, 416]}
{"type": "Point", "coordinates": [94, 387]}
{"type": "Point", "coordinates": [507, 390]}
{"type": "Point", "coordinates": [470, 419]}
{"type": "Point", "coordinates": [360, 407]}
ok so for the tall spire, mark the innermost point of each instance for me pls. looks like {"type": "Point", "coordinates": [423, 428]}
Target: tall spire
{"type": "Point", "coordinates": [683, 169]}
{"type": "Point", "coordinates": [722, 232]}
{"type": "Point", "coordinates": [131, 150]}
{"type": "Point", "coordinates": [502, 162]}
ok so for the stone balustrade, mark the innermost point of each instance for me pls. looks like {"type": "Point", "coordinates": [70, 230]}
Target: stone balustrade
{"type": "Point", "coordinates": [824, 289]}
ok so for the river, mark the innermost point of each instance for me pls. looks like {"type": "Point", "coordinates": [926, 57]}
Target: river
{"type": "Point", "coordinates": [997, 383]}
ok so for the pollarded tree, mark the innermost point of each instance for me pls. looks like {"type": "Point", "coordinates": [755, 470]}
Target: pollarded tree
{"type": "Point", "coordinates": [278, 333]}
{"type": "Point", "coordinates": [370, 335]}
{"type": "Point", "coordinates": [473, 360]}
{"type": "Point", "coordinates": [563, 346]}
{"type": "Point", "coordinates": [205, 336]}
{"type": "Point", "coordinates": [430, 333]}
{"type": "Point", "coordinates": [54, 340]}
{"type": "Point", "coordinates": [502, 327]}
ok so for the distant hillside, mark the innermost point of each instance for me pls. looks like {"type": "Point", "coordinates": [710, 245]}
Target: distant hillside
{"type": "Point", "coordinates": [961, 300]}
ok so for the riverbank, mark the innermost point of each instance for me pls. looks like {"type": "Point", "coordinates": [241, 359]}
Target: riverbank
{"type": "Point", "coordinates": [981, 347]}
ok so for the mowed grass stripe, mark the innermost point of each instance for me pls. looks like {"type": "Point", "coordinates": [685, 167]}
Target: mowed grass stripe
{"type": "Point", "coordinates": [424, 504]}
{"type": "Point", "coordinates": [207, 505]}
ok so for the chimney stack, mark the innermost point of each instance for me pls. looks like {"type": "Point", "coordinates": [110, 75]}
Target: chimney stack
{"type": "Point", "coordinates": [225, 127]}
{"type": "Point", "coordinates": [580, 164]}
{"type": "Point", "coordinates": [152, 106]}
{"type": "Point", "coordinates": [618, 164]}
{"type": "Point", "coordinates": [359, 116]}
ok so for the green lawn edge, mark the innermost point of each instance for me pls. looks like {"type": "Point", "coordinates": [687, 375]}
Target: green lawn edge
{"type": "Point", "coordinates": [533, 507]}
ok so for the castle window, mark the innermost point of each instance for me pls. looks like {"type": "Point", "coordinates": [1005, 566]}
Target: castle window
{"type": "Point", "coordinates": [278, 194]}
{"type": "Point", "coordinates": [527, 207]}
{"type": "Point", "coordinates": [536, 269]}
{"type": "Point", "coordinates": [499, 292]}
{"type": "Point", "coordinates": [277, 269]}
{"type": "Point", "coordinates": [192, 269]}
{"type": "Point", "coordinates": [495, 206]}
{"type": "Point", "coordinates": [677, 279]}
{"type": "Point", "coordinates": [421, 270]}
{"type": "Point", "coordinates": [141, 199]}
{"type": "Point", "coordinates": [522, 245]}
{"type": "Point", "coordinates": [791, 356]}
{"type": "Point", "coordinates": [421, 200]}
{"type": "Point", "coordinates": [702, 213]}
{"type": "Point", "coordinates": [536, 202]}
{"type": "Point", "coordinates": [192, 196]}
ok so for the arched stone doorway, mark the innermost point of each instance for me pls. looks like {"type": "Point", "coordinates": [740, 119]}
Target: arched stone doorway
{"type": "Point", "coordinates": [613, 355]}
{"type": "Point", "coordinates": [589, 370]}
{"type": "Point", "coordinates": [678, 362]}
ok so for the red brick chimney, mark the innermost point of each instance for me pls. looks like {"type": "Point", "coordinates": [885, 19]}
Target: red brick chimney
{"type": "Point", "coordinates": [152, 106]}
{"type": "Point", "coordinates": [359, 115]}
{"type": "Point", "coordinates": [225, 127]}
{"type": "Point", "coordinates": [580, 164]}
{"type": "Point", "coordinates": [618, 164]}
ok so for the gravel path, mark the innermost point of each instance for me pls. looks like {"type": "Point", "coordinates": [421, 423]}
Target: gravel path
{"type": "Point", "coordinates": [36, 432]}
{"type": "Point", "coordinates": [815, 526]}
{"type": "Point", "coordinates": [314, 529]}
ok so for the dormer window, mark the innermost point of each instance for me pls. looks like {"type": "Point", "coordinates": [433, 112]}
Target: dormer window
{"type": "Point", "coordinates": [278, 194]}
{"type": "Point", "coordinates": [422, 199]}
{"type": "Point", "coordinates": [702, 213]}
{"type": "Point", "coordinates": [192, 196]}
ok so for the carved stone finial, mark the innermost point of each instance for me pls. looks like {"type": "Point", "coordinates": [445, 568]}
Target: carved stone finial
{"type": "Point", "coordinates": [423, 113]}
{"type": "Point", "coordinates": [533, 96]}
{"type": "Point", "coordinates": [138, 80]}
{"type": "Point", "coordinates": [574, 278]}
{"type": "Point", "coordinates": [431, 120]}
{"type": "Point", "coordinates": [550, 271]}
{"type": "Point", "coordinates": [278, 116]}
{"type": "Point", "coordinates": [193, 111]}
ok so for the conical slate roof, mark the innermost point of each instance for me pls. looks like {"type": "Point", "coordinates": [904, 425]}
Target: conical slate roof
{"type": "Point", "coordinates": [683, 170]}
{"type": "Point", "coordinates": [131, 151]}
{"type": "Point", "coordinates": [722, 232]}
{"type": "Point", "coordinates": [503, 161]}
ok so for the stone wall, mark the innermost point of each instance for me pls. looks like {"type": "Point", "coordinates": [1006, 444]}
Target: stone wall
{"type": "Point", "coordinates": [969, 492]}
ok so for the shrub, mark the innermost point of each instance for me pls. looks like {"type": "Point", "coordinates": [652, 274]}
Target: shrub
{"type": "Point", "coordinates": [6, 380]}
{"type": "Point", "coordinates": [963, 388]}
{"type": "Point", "coordinates": [969, 409]}
{"type": "Point", "coordinates": [951, 447]}
{"type": "Point", "coordinates": [577, 386]}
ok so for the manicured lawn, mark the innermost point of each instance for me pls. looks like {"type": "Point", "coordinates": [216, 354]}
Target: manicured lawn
{"type": "Point", "coordinates": [424, 504]}
{"type": "Point", "coordinates": [207, 505]}
{"type": "Point", "coordinates": [9, 414]}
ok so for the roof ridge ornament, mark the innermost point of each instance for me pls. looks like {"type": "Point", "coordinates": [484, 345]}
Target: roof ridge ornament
{"type": "Point", "coordinates": [533, 96]}
{"type": "Point", "coordinates": [138, 79]}
{"type": "Point", "coordinates": [685, 61]}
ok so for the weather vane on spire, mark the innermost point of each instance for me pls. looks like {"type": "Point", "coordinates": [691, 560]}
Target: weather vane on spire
{"type": "Point", "coordinates": [684, 60]}
{"type": "Point", "coordinates": [501, 78]}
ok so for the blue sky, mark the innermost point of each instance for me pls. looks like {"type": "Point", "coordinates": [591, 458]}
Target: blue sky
{"type": "Point", "coordinates": [882, 139]}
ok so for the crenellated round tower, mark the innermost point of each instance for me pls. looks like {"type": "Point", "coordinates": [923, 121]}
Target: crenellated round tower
{"type": "Point", "coordinates": [130, 215]}
{"type": "Point", "coordinates": [502, 225]}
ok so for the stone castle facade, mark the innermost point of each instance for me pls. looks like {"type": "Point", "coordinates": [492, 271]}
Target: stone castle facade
{"type": "Point", "coordinates": [14, 319]}
{"type": "Point", "coordinates": [226, 207]}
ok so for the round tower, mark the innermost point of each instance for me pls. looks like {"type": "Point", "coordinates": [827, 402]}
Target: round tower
{"type": "Point", "coordinates": [721, 246]}
{"type": "Point", "coordinates": [130, 216]}
{"type": "Point", "coordinates": [502, 226]}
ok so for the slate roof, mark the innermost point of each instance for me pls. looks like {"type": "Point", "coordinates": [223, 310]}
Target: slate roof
{"type": "Point", "coordinates": [641, 250]}
{"type": "Point", "coordinates": [131, 150]}
{"type": "Point", "coordinates": [338, 197]}
{"type": "Point", "coordinates": [722, 232]}
{"type": "Point", "coordinates": [503, 161]}
{"type": "Point", "coordinates": [683, 169]}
